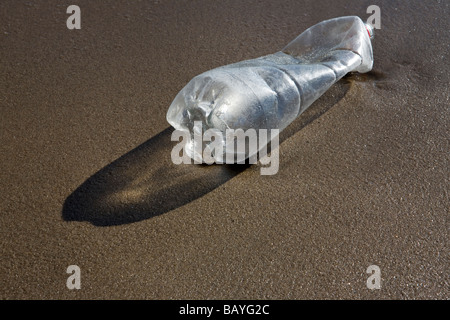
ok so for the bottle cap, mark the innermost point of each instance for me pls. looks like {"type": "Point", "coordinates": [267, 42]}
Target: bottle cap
{"type": "Point", "coordinates": [370, 30]}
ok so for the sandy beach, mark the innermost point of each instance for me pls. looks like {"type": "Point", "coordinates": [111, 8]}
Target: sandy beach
{"type": "Point", "coordinates": [87, 177]}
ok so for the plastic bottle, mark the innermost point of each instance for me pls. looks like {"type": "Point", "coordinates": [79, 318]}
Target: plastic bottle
{"type": "Point", "coordinates": [271, 91]}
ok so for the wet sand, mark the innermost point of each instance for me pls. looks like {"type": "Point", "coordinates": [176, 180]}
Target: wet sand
{"type": "Point", "coordinates": [87, 179]}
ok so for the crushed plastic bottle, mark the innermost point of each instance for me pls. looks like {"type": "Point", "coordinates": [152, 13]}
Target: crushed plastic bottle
{"type": "Point", "coordinates": [271, 91]}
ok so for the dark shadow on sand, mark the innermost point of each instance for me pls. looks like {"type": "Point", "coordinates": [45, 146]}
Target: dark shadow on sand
{"type": "Point", "coordinates": [145, 183]}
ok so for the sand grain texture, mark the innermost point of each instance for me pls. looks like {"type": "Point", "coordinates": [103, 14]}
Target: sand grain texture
{"type": "Point", "coordinates": [363, 174]}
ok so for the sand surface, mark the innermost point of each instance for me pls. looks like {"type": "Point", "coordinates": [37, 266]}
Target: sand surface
{"type": "Point", "coordinates": [86, 177]}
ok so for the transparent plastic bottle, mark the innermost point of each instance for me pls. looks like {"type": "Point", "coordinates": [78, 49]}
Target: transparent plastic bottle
{"type": "Point", "coordinates": [271, 91]}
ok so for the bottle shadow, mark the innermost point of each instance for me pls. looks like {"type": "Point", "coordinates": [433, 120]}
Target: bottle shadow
{"type": "Point", "coordinates": [145, 183]}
